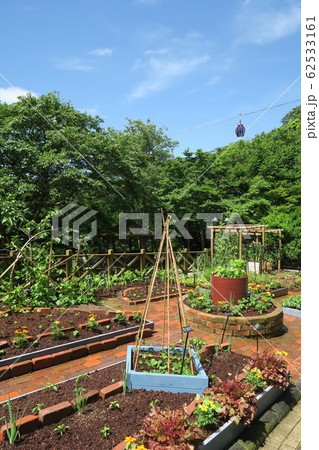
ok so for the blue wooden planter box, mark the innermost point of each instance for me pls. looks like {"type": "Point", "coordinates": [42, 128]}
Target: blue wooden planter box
{"type": "Point", "coordinates": [192, 384]}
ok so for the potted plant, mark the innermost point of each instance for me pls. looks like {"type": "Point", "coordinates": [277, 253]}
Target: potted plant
{"type": "Point", "coordinates": [229, 282]}
{"type": "Point", "coordinates": [254, 253]}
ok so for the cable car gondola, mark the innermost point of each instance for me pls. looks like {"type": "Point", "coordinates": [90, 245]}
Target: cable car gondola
{"type": "Point", "coordinates": [240, 129]}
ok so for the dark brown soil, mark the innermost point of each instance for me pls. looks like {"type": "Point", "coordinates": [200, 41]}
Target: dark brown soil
{"type": "Point", "coordinates": [224, 365]}
{"type": "Point", "coordinates": [140, 292]}
{"type": "Point", "coordinates": [85, 430]}
{"type": "Point", "coordinates": [141, 289]}
{"type": "Point", "coordinates": [38, 324]}
{"type": "Point", "coordinates": [49, 397]}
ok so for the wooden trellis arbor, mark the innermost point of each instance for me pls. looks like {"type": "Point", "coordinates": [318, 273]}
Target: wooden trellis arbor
{"type": "Point", "coordinates": [171, 274]}
{"type": "Point", "coordinates": [250, 230]}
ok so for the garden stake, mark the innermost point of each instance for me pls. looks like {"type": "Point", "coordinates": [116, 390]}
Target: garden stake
{"type": "Point", "coordinates": [256, 327]}
{"type": "Point", "coordinates": [227, 317]}
{"type": "Point", "coordinates": [186, 330]}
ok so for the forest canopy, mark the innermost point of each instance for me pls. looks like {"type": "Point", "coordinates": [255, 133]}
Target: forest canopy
{"type": "Point", "coordinates": [52, 155]}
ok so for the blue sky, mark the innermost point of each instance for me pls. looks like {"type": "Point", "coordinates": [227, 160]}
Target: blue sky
{"type": "Point", "coordinates": [185, 65]}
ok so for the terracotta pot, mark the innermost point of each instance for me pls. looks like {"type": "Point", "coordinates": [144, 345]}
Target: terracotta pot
{"type": "Point", "coordinates": [222, 288]}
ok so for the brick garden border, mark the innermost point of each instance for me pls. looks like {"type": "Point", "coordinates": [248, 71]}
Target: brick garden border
{"type": "Point", "coordinates": [271, 324]}
{"type": "Point", "coordinates": [59, 354]}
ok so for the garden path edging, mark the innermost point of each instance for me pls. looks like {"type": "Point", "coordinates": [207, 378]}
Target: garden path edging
{"type": "Point", "coordinates": [63, 353]}
{"type": "Point", "coordinates": [292, 311]}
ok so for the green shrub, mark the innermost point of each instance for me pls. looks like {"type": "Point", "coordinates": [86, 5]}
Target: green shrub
{"type": "Point", "coordinates": [294, 301]}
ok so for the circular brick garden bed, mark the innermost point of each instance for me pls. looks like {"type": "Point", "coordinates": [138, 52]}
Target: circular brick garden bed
{"type": "Point", "coordinates": [271, 324]}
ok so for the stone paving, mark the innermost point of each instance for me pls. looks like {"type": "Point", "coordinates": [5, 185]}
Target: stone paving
{"type": "Point", "coordinates": [290, 342]}
{"type": "Point", "coordinates": [287, 435]}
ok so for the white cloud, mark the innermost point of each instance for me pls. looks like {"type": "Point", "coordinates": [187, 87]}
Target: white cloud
{"type": "Point", "coordinates": [73, 64]}
{"type": "Point", "coordinates": [102, 52]}
{"type": "Point", "coordinates": [162, 73]}
{"type": "Point", "coordinates": [91, 111]}
{"type": "Point", "coordinates": [260, 27]}
{"type": "Point", "coordinates": [161, 51]}
{"type": "Point", "coordinates": [10, 95]}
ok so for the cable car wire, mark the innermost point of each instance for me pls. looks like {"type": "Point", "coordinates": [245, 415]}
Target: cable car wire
{"type": "Point", "coordinates": [206, 124]}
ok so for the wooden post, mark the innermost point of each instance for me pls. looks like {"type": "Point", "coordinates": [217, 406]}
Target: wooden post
{"type": "Point", "coordinates": [142, 260]}
{"type": "Point", "coordinates": [279, 250]}
{"type": "Point", "coordinates": [240, 244]}
{"type": "Point", "coordinates": [68, 263]}
{"type": "Point", "coordinates": [263, 250]}
{"type": "Point", "coordinates": [211, 244]}
{"type": "Point", "coordinates": [109, 262]}
{"type": "Point", "coordinates": [185, 265]}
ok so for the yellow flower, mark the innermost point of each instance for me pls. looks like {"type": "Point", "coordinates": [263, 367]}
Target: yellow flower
{"type": "Point", "coordinates": [203, 408]}
{"type": "Point", "coordinates": [258, 375]}
{"type": "Point", "coordinates": [18, 331]}
{"type": "Point", "coordinates": [141, 447]}
{"type": "Point", "coordinates": [23, 326]}
{"type": "Point", "coordinates": [199, 298]}
{"type": "Point", "coordinates": [57, 322]}
{"type": "Point", "coordinates": [212, 404]}
{"type": "Point", "coordinates": [130, 439]}
{"type": "Point", "coordinates": [281, 353]}
{"type": "Point", "coordinates": [118, 311]}
{"type": "Point", "coordinates": [254, 369]}
{"type": "Point", "coordinates": [92, 319]}
{"type": "Point", "coordinates": [190, 290]}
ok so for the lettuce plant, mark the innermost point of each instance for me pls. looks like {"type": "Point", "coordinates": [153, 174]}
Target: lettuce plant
{"type": "Point", "coordinates": [272, 367]}
{"type": "Point", "coordinates": [236, 399]}
{"type": "Point", "coordinates": [164, 429]}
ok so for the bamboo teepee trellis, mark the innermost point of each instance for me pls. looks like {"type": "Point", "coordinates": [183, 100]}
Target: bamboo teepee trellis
{"type": "Point", "coordinates": [170, 263]}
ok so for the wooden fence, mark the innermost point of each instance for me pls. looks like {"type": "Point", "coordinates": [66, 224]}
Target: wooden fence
{"type": "Point", "coordinates": [113, 262]}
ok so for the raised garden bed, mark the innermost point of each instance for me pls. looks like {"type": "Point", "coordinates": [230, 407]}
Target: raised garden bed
{"type": "Point", "coordinates": [57, 410]}
{"type": "Point", "coordinates": [292, 305]}
{"type": "Point", "coordinates": [108, 334]}
{"type": "Point", "coordinates": [102, 413]}
{"type": "Point", "coordinates": [138, 294]}
{"type": "Point", "coordinates": [292, 312]}
{"type": "Point", "coordinates": [271, 324]}
{"type": "Point", "coordinates": [279, 292]}
{"type": "Point", "coordinates": [168, 382]}
{"type": "Point", "coordinates": [223, 437]}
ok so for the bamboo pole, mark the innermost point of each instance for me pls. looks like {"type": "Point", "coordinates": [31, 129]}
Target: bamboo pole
{"type": "Point", "coordinates": [212, 244]}
{"type": "Point", "coordinates": [279, 250]}
{"type": "Point", "coordinates": [240, 244]}
{"type": "Point", "coordinates": [149, 294]}
{"type": "Point", "coordinates": [167, 302]}
{"type": "Point", "coordinates": [50, 254]}
{"type": "Point", "coordinates": [263, 250]}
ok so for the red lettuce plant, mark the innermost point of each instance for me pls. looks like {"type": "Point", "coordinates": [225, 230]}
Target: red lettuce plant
{"type": "Point", "coordinates": [236, 398]}
{"type": "Point", "coordinates": [168, 429]}
{"type": "Point", "coordinates": [272, 367]}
